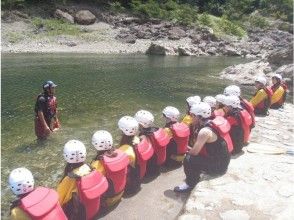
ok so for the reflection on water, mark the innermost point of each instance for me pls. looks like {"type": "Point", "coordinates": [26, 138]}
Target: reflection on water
{"type": "Point", "coordinates": [93, 92]}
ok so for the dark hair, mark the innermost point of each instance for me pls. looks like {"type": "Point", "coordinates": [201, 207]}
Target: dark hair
{"type": "Point", "coordinates": [70, 167]}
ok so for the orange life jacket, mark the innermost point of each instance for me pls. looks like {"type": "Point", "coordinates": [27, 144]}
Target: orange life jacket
{"type": "Point", "coordinates": [90, 189]}
{"type": "Point", "coordinates": [42, 204]}
{"type": "Point", "coordinates": [181, 133]}
{"type": "Point", "coordinates": [144, 151]}
{"type": "Point", "coordinates": [116, 169]}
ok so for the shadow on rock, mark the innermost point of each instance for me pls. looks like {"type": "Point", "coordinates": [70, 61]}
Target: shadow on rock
{"type": "Point", "coordinates": [235, 156]}
{"type": "Point", "coordinates": [176, 196]}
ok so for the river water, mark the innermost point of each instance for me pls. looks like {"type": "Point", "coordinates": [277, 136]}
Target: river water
{"type": "Point", "coordinates": [93, 92]}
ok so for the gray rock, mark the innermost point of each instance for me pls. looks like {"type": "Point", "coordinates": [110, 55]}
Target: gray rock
{"type": "Point", "coordinates": [286, 71]}
{"type": "Point", "coordinates": [230, 51]}
{"type": "Point", "coordinates": [184, 51]}
{"type": "Point", "coordinates": [235, 214]}
{"type": "Point", "coordinates": [64, 16]}
{"type": "Point", "coordinates": [85, 17]}
{"type": "Point", "coordinates": [176, 33]}
{"type": "Point", "coordinates": [281, 57]}
{"type": "Point", "coordinates": [156, 49]}
{"type": "Point", "coordinates": [190, 217]}
{"type": "Point", "coordinates": [126, 38]}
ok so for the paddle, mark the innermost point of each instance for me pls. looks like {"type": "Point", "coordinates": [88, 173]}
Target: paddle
{"type": "Point", "coordinates": [268, 149]}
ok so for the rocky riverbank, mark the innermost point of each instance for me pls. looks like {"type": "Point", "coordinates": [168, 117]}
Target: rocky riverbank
{"type": "Point", "coordinates": [105, 32]}
{"type": "Point", "coordinates": [256, 186]}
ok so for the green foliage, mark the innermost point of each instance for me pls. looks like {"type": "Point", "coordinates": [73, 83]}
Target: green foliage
{"type": "Point", "coordinates": [258, 21]}
{"type": "Point", "coordinates": [55, 27]}
{"type": "Point", "coordinates": [282, 9]}
{"type": "Point", "coordinates": [235, 9]}
{"type": "Point", "coordinates": [205, 19]}
{"type": "Point", "coordinates": [117, 7]}
{"type": "Point", "coordinates": [229, 27]}
{"type": "Point", "coordinates": [169, 10]}
{"type": "Point", "coordinates": [14, 37]}
{"type": "Point", "coordinates": [11, 3]}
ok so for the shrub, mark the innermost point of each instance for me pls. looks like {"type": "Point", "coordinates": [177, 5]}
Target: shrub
{"type": "Point", "coordinates": [229, 27]}
{"type": "Point", "coordinates": [55, 27]}
{"type": "Point", "coordinates": [205, 19]}
{"type": "Point", "coordinates": [258, 21]}
{"type": "Point", "coordinates": [117, 7]}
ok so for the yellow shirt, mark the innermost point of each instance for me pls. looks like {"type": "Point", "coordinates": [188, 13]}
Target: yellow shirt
{"type": "Point", "coordinates": [68, 185]}
{"type": "Point", "coordinates": [187, 120]}
{"type": "Point", "coordinates": [259, 97]}
{"type": "Point", "coordinates": [169, 132]}
{"type": "Point", "coordinates": [18, 214]}
{"type": "Point", "coordinates": [98, 165]}
{"type": "Point", "coordinates": [278, 94]}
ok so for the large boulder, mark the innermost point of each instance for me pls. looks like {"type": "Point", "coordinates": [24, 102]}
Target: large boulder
{"type": "Point", "coordinates": [157, 49]}
{"type": "Point", "coordinates": [85, 17]}
{"type": "Point", "coordinates": [64, 16]}
{"type": "Point", "coordinates": [246, 73]}
{"type": "Point", "coordinates": [281, 57]}
{"type": "Point", "coordinates": [176, 33]}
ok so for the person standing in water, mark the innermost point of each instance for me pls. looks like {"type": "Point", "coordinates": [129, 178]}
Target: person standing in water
{"type": "Point", "coordinates": [46, 120]}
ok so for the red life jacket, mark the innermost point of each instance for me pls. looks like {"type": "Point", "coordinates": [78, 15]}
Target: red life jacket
{"type": "Point", "coordinates": [144, 151]}
{"type": "Point", "coordinates": [222, 127]}
{"type": "Point", "coordinates": [90, 189]}
{"type": "Point", "coordinates": [264, 104]}
{"type": "Point", "coordinates": [116, 169]}
{"type": "Point", "coordinates": [246, 122]}
{"type": "Point", "coordinates": [181, 133]}
{"type": "Point", "coordinates": [250, 109]}
{"type": "Point", "coordinates": [159, 140]}
{"type": "Point", "coordinates": [42, 204]}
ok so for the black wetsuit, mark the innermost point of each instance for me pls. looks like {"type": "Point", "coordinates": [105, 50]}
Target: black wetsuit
{"type": "Point", "coordinates": [215, 162]}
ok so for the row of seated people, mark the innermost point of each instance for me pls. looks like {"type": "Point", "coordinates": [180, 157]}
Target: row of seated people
{"type": "Point", "coordinates": [84, 190]}
{"type": "Point", "coordinates": [266, 97]}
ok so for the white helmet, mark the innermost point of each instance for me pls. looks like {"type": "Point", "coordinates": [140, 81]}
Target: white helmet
{"type": "Point", "coordinates": [102, 140]}
{"type": "Point", "coordinates": [220, 98]}
{"type": "Point", "coordinates": [261, 79]}
{"type": "Point", "coordinates": [210, 101]}
{"type": "Point", "coordinates": [172, 113]}
{"type": "Point", "coordinates": [74, 151]}
{"type": "Point", "coordinates": [232, 90]}
{"type": "Point", "coordinates": [202, 109]}
{"type": "Point", "coordinates": [278, 76]}
{"type": "Point", "coordinates": [21, 181]}
{"type": "Point", "coordinates": [233, 101]}
{"type": "Point", "coordinates": [192, 100]}
{"type": "Point", "coordinates": [128, 125]}
{"type": "Point", "coordinates": [144, 118]}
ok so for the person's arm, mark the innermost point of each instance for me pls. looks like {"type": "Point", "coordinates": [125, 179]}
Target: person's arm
{"type": "Point", "coordinates": [43, 121]}
{"type": "Point", "coordinates": [278, 94]}
{"type": "Point", "coordinates": [203, 135]}
{"type": "Point", "coordinates": [56, 122]}
{"type": "Point", "coordinates": [260, 95]}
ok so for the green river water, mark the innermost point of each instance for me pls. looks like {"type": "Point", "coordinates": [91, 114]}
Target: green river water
{"type": "Point", "coordinates": [93, 92]}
